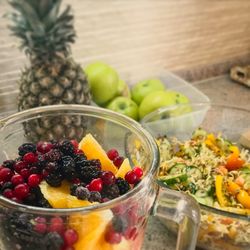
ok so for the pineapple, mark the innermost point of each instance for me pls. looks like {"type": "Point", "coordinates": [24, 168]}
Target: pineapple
{"type": "Point", "coordinates": [53, 77]}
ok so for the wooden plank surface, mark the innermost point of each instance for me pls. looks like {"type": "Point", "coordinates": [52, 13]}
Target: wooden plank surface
{"type": "Point", "coordinates": [140, 38]}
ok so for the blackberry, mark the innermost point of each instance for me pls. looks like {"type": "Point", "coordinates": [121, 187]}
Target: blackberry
{"type": "Point", "coordinates": [54, 179]}
{"type": "Point", "coordinates": [53, 155]}
{"type": "Point", "coordinates": [110, 191]}
{"type": "Point", "coordinates": [51, 167]}
{"type": "Point", "coordinates": [95, 163]}
{"type": "Point", "coordinates": [55, 144]}
{"type": "Point", "coordinates": [119, 224]}
{"type": "Point", "coordinates": [53, 241]}
{"type": "Point", "coordinates": [44, 203]}
{"type": "Point", "coordinates": [123, 185]}
{"type": "Point", "coordinates": [80, 160]}
{"type": "Point", "coordinates": [9, 164]}
{"type": "Point", "coordinates": [95, 196]}
{"type": "Point", "coordinates": [26, 148]}
{"type": "Point", "coordinates": [87, 174]}
{"type": "Point", "coordinates": [82, 193]}
{"type": "Point", "coordinates": [73, 188]}
{"type": "Point", "coordinates": [6, 185]}
{"type": "Point", "coordinates": [36, 198]}
{"type": "Point", "coordinates": [66, 147]}
{"type": "Point", "coordinates": [68, 167]}
{"type": "Point", "coordinates": [41, 161]}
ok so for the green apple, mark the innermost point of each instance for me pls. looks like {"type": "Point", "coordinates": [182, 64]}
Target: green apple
{"type": "Point", "coordinates": [155, 100]}
{"type": "Point", "coordinates": [103, 81]}
{"type": "Point", "coordinates": [123, 89]}
{"type": "Point", "coordinates": [125, 106]}
{"type": "Point", "coordinates": [94, 68]}
{"type": "Point", "coordinates": [143, 88]}
{"type": "Point", "coordinates": [179, 99]}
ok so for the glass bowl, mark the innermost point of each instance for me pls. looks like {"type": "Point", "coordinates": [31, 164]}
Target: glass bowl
{"type": "Point", "coordinates": [117, 224]}
{"type": "Point", "coordinates": [219, 230]}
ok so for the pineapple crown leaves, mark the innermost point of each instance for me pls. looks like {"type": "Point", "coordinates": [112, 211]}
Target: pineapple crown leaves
{"type": "Point", "coordinates": [43, 30]}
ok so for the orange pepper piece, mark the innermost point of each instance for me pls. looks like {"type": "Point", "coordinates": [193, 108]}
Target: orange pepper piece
{"type": "Point", "coordinates": [233, 188]}
{"type": "Point", "coordinates": [233, 161]}
{"type": "Point", "coordinates": [244, 198]}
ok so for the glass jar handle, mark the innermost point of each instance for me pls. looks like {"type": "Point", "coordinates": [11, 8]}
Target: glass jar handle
{"type": "Point", "coordinates": [183, 210]}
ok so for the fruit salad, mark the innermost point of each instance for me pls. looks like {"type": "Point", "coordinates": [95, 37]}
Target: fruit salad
{"type": "Point", "coordinates": [67, 174]}
{"type": "Point", "coordinates": [216, 172]}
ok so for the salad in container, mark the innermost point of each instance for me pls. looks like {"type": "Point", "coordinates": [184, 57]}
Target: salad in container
{"type": "Point", "coordinates": [205, 152]}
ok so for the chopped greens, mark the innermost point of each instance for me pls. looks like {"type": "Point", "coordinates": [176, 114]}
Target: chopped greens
{"type": "Point", "coordinates": [216, 172]}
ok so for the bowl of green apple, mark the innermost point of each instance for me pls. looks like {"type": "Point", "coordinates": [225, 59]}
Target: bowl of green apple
{"type": "Point", "coordinates": [138, 98]}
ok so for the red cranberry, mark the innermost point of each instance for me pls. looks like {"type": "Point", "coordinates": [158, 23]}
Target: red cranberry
{"type": "Point", "coordinates": [21, 191]}
{"type": "Point", "coordinates": [30, 157]}
{"type": "Point", "coordinates": [8, 193]}
{"type": "Point", "coordinates": [113, 237]}
{"type": "Point", "coordinates": [119, 210]}
{"type": "Point", "coordinates": [44, 147]}
{"type": "Point", "coordinates": [19, 166]}
{"type": "Point", "coordinates": [95, 185]}
{"type": "Point", "coordinates": [16, 179]}
{"type": "Point", "coordinates": [108, 177]}
{"type": "Point", "coordinates": [5, 174]}
{"type": "Point", "coordinates": [78, 151]}
{"type": "Point", "coordinates": [132, 216]}
{"type": "Point", "coordinates": [25, 173]}
{"type": "Point", "coordinates": [40, 228]}
{"type": "Point", "coordinates": [40, 220]}
{"type": "Point", "coordinates": [70, 237]}
{"type": "Point", "coordinates": [129, 233]}
{"type": "Point", "coordinates": [131, 177]}
{"type": "Point", "coordinates": [138, 171]}
{"type": "Point", "coordinates": [118, 161]}
{"type": "Point", "coordinates": [56, 225]}
{"type": "Point", "coordinates": [1, 167]}
{"type": "Point", "coordinates": [112, 154]}
{"type": "Point", "coordinates": [34, 180]}
{"type": "Point", "coordinates": [74, 143]}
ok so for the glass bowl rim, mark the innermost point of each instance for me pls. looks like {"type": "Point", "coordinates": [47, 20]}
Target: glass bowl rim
{"type": "Point", "coordinates": [147, 118]}
{"type": "Point", "coordinates": [101, 113]}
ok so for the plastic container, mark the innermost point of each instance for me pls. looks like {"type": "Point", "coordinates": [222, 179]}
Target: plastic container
{"type": "Point", "coordinates": [173, 82]}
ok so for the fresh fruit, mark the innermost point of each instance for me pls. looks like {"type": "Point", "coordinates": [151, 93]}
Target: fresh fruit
{"type": "Point", "coordinates": [143, 88]}
{"type": "Point", "coordinates": [94, 68]}
{"type": "Point", "coordinates": [95, 185]}
{"type": "Point", "coordinates": [57, 197]}
{"type": "Point", "coordinates": [154, 101]}
{"type": "Point", "coordinates": [125, 106]}
{"type": "Point", "coordinates": [123, 89]}
{"type": "Point", "coordinates": [124, 168]}
{"type": "Point", "coordinates": [122, 185]}
{"type": "Point", "coordinates": [112, 154]}
{"type": "Point", "coordinates": [93, 150]}
{"type": "Point", "coordinates": [103, 85]}
{"type": "Point", "coordinates": [131, 177]}
{"type": "Point", "coordinates": [108, 177]}
{"type": "Point", "coordinates": [118, 161]}
{"type": "Point", "coordinates": [53, 77]}
{"type": "Point", "coordinates": [138, 171]}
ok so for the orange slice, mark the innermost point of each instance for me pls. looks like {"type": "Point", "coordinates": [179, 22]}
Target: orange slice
{"type": "Point", "coordinates": [90, 228]}
{"type": "Point", "coordinates": [124, 168]}
{"type": "Point", "coordinates": [93, 150]}
{"type": "Point", "coordinates": [56, 196]}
